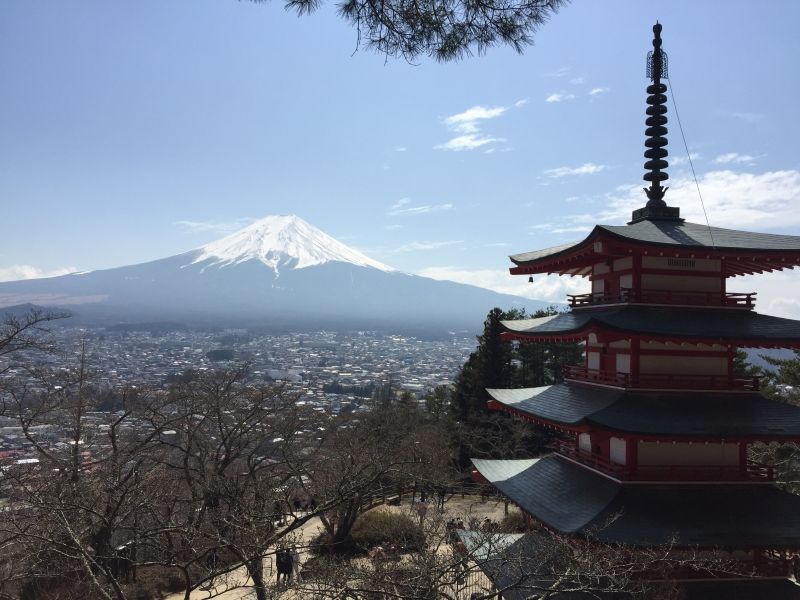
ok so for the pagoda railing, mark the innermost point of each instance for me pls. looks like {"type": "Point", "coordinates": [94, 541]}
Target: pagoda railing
{"type": "Point", "coordinates": [733, 300]}
{"type": "Point", "coordinates": [662, 381]}
{"type": "Point", "coordinates": [752, 471]}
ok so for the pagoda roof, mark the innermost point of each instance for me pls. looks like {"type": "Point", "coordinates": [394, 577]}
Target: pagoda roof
{"type": "Point", "coordinates": [527, 565]}
{"type": "Point", "coordinates": [573, 499]}
{"type": "Point", "coordinates": [674, 414]}
{"type": "Point", "coordinates": [701, 325]}
{"type": "Point", "coordinates": [670, 236]}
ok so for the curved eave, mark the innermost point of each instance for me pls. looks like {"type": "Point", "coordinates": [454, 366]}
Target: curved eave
{"type": "Point", "coordinates": [683, 416]}
{"type": "Point", "coordinates": [568, 259]}
{"type": "Point", "coordinates": [579, 335]}
{"type": "Point", "coordinates": [661, 325]}
{"type": "Point", "coordinates": [575, 500]}
{"type": "Point", "coordinates": [535, 419]}
{"type": "Point", "coordinates": [576, 259]}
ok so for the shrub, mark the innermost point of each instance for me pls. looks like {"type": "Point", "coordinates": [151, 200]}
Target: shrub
{"type": "Point", "coordinates": [513, 522]}
{"type": "Point", "coordinates": [382, 526]}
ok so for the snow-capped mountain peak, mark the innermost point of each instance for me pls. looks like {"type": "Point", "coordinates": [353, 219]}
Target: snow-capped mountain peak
{"type": "Point", "coordinates": [285, 241]}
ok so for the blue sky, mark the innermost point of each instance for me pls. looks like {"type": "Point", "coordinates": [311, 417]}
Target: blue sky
{"type": "Point", "coordinates": [137, 130]}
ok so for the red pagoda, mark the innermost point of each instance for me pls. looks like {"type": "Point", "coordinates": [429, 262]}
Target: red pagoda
{"type": "Point", "coordinates": [656, 423]}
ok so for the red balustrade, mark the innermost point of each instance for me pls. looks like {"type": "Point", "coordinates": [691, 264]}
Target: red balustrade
{"type": "Point", "coordinates": [662, 381]}
{"type": "Point", "coordinates": [752, 471]}
{"type": "Point", "coordinates": [734, 299]}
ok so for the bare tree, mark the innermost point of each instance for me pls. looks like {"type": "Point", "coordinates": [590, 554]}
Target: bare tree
{"type": "Point", "coordinates": [28, 330]}
{"type": "Point", "coordinates": [367, 459]}
{"type": "Point", "coordinates": [538, 564]}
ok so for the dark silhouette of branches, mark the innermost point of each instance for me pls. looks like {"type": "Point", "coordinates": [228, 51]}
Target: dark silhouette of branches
{"type": "Point", "coordinates": [443, 29]}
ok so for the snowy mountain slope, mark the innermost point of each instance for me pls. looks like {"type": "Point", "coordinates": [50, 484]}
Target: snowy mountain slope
{"type": "Point", "coordinates": [279, 271]}
{"type": "Point", "coordinates": [285, 241]}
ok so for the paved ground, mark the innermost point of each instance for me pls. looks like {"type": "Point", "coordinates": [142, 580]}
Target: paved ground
{"type": "Point", "coordinates": [237, 586]}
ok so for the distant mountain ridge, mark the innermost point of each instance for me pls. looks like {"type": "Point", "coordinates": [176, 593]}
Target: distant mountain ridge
{"type": "Point", "coordinates": [278, 272]}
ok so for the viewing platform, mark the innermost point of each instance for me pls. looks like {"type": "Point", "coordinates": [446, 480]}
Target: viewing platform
{"type": "Point", "coordinates": [751, 472]}
{"type": "Point", "coordinates": [673, 298]}
{"type": "Point", "coordinates": [662, 382]}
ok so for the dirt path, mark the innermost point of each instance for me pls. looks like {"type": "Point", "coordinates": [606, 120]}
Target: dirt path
{"type": "Point", "coordinates": [237, 585]}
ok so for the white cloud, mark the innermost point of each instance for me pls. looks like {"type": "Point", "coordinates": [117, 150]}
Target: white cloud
{"type": "Point", "coordinates": [400, 209]}
{"type": "Point", "coordinates": [756, 200]}
{"type": "Point", "coordinates": [598, 90]}
{"type": "Point", "coordinates": [392, 227]}
{"type": "Point", "coordinates": [15, 272]}
{"type": "Point", "coordinates": [680, 160]}
{"type": "Point", "coordinates": [400, 149]}
{"type": "Point", "coordinates": [468, 125]}
{"type": "Point", "coordinates": [214, 226]}
{"type": "Point", "coordinates": [561, 72]}
{"type": "Point", "coordinates": [584, 169]}
{"type": "Point", "coordinates": [577, 80]}
{"type": "Point", "coordinates": [416, 246]}
{"type": "Point", "coordinates": [559, 97]}
{"type": "Point", "coordinates": [549, 288]}
{"type": "Point", "coordinates": [467, 142]}
{"type": "Point", "coordinates": [400, 203]}
{"type": "Point", "coordinates": [778, 293]}
{"type": "Point", "coordinates": [750, 117]}
{"type": "Point", "coordinates": [575, 229]}
{"type": "Point", "coordinates": [734, 158]}
{"type": "Point", "coordinates": [468, 121]}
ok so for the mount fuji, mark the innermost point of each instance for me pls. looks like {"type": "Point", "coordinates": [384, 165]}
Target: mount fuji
{"type": "Point", "coordinates": [279, 272]}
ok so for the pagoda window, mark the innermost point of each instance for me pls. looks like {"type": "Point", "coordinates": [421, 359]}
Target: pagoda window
{"type": "Point", "coordinates": [687, 454]}
{"type": "Point", "coordinates": [626, 281]}
{"type": "Point", "coordinates": [593, 361]}
{"type": "Point", "coordinates": [682, 264]}
{"type": "Point", "coordinates": [618, 451]}
{"type": "Point", "coordinates": [585, 442]}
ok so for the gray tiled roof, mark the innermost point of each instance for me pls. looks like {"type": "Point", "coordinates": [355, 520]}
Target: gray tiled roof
{"type": "Point", "coordinates": [698, 235]}
{"type": "Point", "coordinates": [557, 492]}
{"type": "Point", "coordinates": [530, 564]}
{"type": "Point", "coordinates": [573, 499]}
{"type": "Point", "coordinates": [657, 413]}
{"type": "Point", "coordinates": [672, 233]}
{"type": "Point", "coordinates": [680, 322]}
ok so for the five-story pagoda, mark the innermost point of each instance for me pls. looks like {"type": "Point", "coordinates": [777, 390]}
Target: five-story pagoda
{"type": "Point", "coordinates": [656, 421]}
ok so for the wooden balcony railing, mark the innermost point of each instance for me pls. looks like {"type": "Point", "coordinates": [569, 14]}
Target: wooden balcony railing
{"type": "Point", "coordinates": [752, 471]}
{"type": "Point", "coordinates": [734, 300]}
{"type": "Point", "coordinates": [666, 382]}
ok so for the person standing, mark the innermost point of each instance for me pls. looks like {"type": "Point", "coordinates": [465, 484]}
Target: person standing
{"type": "Point", "coordinates": [295, 563]}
